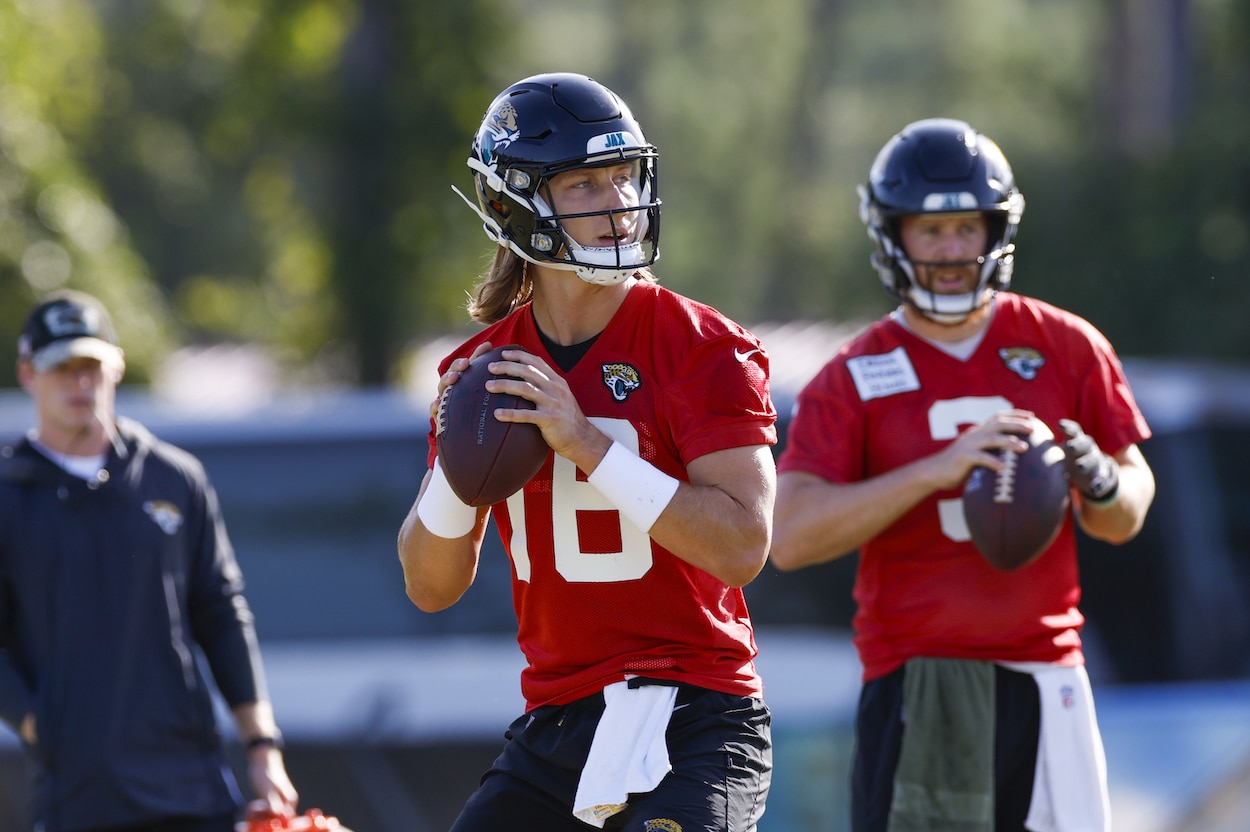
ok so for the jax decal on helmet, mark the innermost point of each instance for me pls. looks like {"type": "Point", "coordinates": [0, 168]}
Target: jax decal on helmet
{"type": "Point", "coordinates": [545, 125]}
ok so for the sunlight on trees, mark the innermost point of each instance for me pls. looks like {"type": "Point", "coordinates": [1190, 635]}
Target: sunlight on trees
{"type": "Point", "coordinates": [279, 174]}
{"type": "Point", "coordinates": [57, 226]}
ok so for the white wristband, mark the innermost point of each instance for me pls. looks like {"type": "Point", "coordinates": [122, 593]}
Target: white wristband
{"type": "Point", "coordinates": [636, 487]}
{"type": "Point", "coordinates": [441, 510]}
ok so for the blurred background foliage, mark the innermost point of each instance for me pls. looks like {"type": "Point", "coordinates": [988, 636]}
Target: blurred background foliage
{"type": "Point", "coordinates": [278, 172]}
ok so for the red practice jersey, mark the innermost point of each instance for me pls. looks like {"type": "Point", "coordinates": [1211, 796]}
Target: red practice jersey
{"type": "Point", "coordinates": [596, 599]}
{"type": "Point", "coordinates": [889, 398]}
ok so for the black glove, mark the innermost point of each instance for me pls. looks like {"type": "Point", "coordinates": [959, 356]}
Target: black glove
{"type": "Point", "coordinates": [1095, 474]}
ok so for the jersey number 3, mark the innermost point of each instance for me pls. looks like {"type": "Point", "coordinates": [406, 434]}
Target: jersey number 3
{"type": "Point", "coordinates": [946, 417]}
{"type": "Point", "coordinates": [569, 495]}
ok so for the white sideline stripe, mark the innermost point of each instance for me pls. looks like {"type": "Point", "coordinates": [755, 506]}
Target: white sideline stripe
{"type": "Point", "coordinates": [395, 689]}
{"type": "Point", "coordinates": [469, 686]}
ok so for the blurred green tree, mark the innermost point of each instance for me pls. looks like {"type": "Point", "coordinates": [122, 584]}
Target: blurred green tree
{"type": "Point", "coordinates": [1122, 121]}
{"type": "Point", "coordinates": [285, 165]}
{"type": "Point", "coordinates": [1145, 228]}
{"type": "Point", "coordinates": [277, 171]}
{"type": "Point", "coordinates": [56, 223]}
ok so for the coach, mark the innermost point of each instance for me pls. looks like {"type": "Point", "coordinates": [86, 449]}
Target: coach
{"type": "Point", "coordinates": [115, 573]}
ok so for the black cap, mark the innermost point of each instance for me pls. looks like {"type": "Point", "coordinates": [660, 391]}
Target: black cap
{"type": "Point", "coordinates": [65, 325]}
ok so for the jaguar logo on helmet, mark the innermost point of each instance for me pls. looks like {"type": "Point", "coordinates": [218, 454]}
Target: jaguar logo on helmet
{"type": "Point", "coordinates": [500, 129]}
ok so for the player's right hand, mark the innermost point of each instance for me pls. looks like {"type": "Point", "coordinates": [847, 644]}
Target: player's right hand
{"type": "Point", "coordinates": [977, 447]}
{"type": "Point", "coordinates": [452, 374]}
{"type": "Point", "coordinates": [556, 412]}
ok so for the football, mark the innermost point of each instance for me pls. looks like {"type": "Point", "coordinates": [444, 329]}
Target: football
{"type": "Point", "coordinates": [1014, 514]}
{"type": "Point", "coordinates": [485, 460]}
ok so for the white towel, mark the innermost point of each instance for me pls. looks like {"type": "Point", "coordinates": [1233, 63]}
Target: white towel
{"type": "Point", "coordinates": [1070, 783]}
{"type": "Point", "coordinates": [629, 753]}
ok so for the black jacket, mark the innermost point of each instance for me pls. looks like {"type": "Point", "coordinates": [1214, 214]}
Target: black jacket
{"type": "Point", "coordinates": [108, 593]}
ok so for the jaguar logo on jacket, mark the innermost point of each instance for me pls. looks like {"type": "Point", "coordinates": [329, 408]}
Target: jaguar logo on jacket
{"type": "Point", "coordinates": [164, 514]}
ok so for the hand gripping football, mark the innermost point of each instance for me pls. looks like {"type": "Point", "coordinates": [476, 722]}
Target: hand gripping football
{"type": "Point", "coordinates": [1014, 514]}
{"type": "Point", "coordinates": [485, 460]}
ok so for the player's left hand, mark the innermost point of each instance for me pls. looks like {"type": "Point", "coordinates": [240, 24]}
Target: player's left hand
{"type": "Point", "coordinates": [1095, 474]}
{"type": "Point", "coordinates": [556, 411]}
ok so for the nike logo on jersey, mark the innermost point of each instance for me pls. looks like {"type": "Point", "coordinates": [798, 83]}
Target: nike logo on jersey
{"type": "Point", "coordinates": [743, 356]}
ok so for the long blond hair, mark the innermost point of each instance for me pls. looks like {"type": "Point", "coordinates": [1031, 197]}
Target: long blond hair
{"type": "Point", "coordinates": [507, 284]}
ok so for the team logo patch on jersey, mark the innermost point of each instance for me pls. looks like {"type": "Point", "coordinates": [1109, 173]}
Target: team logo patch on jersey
{"type": "Point", "coordinates": [164, 514]}
{"type": "Point", "coordinates": [662, 825]}
{"type": "Point", "coordinates": [622, 379]}
{"type": "Point", "coordinates": [499, 131]}
{"type": "Point", "coordinates": [1023, 361]}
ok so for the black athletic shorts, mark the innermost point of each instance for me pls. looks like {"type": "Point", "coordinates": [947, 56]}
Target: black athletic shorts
{"type": "Point", "coordinates": [879, 737]}
{"type": "Point", "coordinates": [719, 745]}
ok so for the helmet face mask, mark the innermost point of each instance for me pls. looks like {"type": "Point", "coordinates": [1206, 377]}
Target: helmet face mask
{"type": "Point", "coordinates": [941, 166]}
{"type": "Point", "coordinates": [550, 124]}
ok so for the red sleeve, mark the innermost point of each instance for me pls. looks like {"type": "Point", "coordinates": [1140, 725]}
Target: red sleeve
{"type": "Point", "coordinates": [1106, 408]}
{"type": "Point", "coordinates": [720, 400]}
{"type": "Point", "coordinates": [826, 433]}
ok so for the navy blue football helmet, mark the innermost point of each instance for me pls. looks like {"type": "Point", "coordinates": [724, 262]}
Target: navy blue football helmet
{"type": "Point", "coordinates": [542, 126]}
{"type": "Point", "coordinates": [941, 166]}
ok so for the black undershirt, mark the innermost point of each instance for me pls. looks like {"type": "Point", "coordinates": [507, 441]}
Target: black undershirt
{"type": "Point", "coordinates": [566, 357]}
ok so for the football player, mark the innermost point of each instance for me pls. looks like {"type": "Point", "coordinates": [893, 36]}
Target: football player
{"type": "Point", "coordinates": [631, 545]}
{"type": "Point", "coordinates": [985, 664]}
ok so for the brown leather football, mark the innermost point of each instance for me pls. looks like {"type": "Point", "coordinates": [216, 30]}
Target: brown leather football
{"type": "Point", "coordinates": [485, 460]}
{"type": "Point", "coordinates": [1015, 514]}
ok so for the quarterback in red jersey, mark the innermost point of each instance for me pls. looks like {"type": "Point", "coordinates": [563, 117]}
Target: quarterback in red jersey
{"type": "Point", "coordinates": [983, 661]}
{"type": "Point", "coordinates": [631, 545]}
